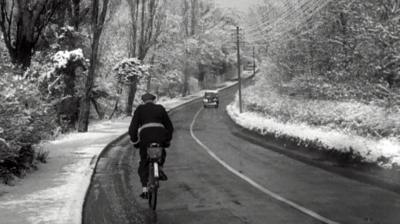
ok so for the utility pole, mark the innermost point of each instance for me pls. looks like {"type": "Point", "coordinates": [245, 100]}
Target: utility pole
{"type": "Point", "coordinates": [185, 70]}
{"type": "Point", "coordinates": [254, 61]}
{"type": "Point", "coordinates": [238, 68]}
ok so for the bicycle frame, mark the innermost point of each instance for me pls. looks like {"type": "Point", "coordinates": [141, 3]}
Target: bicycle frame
{"type": "Point", "coordinates": [153, 173]}
{"type": "Point", "coordinates": [154, 155]}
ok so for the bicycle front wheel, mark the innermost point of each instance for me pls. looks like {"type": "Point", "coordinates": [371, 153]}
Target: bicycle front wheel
{"type": "Point", "coordinates": [153, 197]}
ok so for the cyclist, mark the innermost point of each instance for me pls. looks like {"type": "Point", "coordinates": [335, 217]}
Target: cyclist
{"type": "Point", "coordinates": [150, 124]}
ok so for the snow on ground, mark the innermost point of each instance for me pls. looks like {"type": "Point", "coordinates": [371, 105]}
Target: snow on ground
{"type": "Point", "coordinates": [371, 150]}
{"type": "Point", "coordinates": [55, 193]}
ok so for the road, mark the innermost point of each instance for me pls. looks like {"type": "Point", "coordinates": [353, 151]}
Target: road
{"type": "Point", "coordinates": [239, 182]}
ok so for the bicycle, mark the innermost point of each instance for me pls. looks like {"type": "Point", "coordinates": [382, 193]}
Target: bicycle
{"type": "Point", "coordinates": [154, 153]}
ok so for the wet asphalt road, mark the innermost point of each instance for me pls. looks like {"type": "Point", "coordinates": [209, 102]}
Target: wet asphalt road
{"type": "Point", "coordinates": [200, 190]}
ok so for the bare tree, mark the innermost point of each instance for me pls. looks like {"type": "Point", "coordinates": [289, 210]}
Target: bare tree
{"type": "Point", "coordinates": [22, 23]}
{"type": "Point", "coordinates": [97, 22]}
{"type": "Point", "coordinates": [190, 12]}
{"type": "Point", "coordinates": [146, 22]}
{"type": "Point", "coordinates": [75, 13]}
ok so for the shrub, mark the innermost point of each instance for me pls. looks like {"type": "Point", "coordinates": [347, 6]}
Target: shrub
{"type": "Point", "coordinates": [25, 119]}
{"type": "Point", "coordinates": [42, 155]}
{"type": "Point", "coordinates": [364, 119]}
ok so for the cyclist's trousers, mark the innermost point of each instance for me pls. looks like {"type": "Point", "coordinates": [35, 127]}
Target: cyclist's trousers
{"type": "Point", "coordinates": [144, 165]}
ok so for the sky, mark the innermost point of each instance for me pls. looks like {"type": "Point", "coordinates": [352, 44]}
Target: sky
{"type": "Point", "coordinates": [242, 5]}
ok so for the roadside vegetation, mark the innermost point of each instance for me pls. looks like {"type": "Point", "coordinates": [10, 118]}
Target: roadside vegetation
{"type": "Point", "coordinates": [339, 71]}
{"type": "Point", "coordinates": [90, 59]}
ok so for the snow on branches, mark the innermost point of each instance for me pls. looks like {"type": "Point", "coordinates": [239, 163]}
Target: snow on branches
{"type": "Point", "coordinates": [62, 58]}
{"type": "Point", "coordinates": [130, 69]}
{"type": "Point", "coordinates": [61, 69]}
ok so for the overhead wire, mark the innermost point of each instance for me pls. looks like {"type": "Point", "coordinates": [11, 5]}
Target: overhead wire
{"type": "Point", "coordinates": [284, 15]}
{"type": "Point", "coordinates": [295, 17]}
{"type": "Point", "coordinates": [291, 16]}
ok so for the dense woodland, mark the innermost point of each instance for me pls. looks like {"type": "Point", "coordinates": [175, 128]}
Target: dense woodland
{"type": "Point", "coordinates": [64, 63]}
{"type": "Point", "coordinates": [336, 67]}
{"type": "Point", "coordinates": [347, 50]}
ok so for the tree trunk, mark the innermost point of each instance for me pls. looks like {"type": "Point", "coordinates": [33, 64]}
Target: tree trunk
{"type": "Point", "coordinates": [185, 12]}
{"type": "Point", "coordinates": [85, 102]}
{"type": "Point", "coordinates": [143, 14]}
{"type": "Point", "coordinates": [134, 4]}
{"type": "Point", "coordinates": [148, 87]}
{"type": "Point", "coordinates": [119, 92]}
{"type": "Point", "coordinates": [141, 54]}
{"type": "Point", "coordinates": [97, 26]}
{"type": "Point", "coordinates": [194, 17]}
{"type": "Point", "coordinates": [69, 79]}
{"type": "Point", "coordinates": [97, 107]}
{"type": "Point", "coordinates": [22, 53]}
{"type": "Point", "coordinates": [115, 108]}
{"type": "Point", "coordinates": [185, 89]}
{"type": "Point", "coordinates": [22, 23]}
{"type": "Point", "coordinates": [134, 8]}
{"type": "Point", "coordinates": [75, 19]}
{"type": "Point", "coordinates": [25, 41]}
{"type": "Point", "coordinates": [131, 97]}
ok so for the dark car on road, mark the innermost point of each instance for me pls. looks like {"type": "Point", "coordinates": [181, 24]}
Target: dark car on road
{"type": "Point", "coordinates": [210, 98]}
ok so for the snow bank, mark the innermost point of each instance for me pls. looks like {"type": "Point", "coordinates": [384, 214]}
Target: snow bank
{"type": "Point", "coordinates": [369, 149]}
{"type": "Point", "coordinates": [55, 194]}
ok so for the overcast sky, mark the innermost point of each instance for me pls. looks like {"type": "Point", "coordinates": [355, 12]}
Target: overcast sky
{"type": "Point", "coordinates": [238, 4]}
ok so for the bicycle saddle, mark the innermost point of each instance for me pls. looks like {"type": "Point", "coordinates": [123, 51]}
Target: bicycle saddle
{"type": "Point", "coordinates": [155, 145]}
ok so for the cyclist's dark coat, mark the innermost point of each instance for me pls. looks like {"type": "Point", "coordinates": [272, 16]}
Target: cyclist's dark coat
{"type": "Point", "coordinates": [145, 114]}
{"type": "Point", "coordinates": [150, 113]}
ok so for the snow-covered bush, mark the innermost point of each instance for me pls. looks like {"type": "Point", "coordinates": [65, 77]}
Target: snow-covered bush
{"type": "Point", "coordinates": [365, 129]}
{"type": "Point", "coordinates": [25, 119]}
{"type": "Point", "coordinates": [370, 120]}
{"type": "Point", "coordinates": [27, 106]}
{"type": "Point", "coordinates": [62, 58]}
{"type": "Point", "coordinates": [344, 146]}
{"type": "Point", "coordinates": [61, 78]}
{"type": "Point", "coordinates": [132, 74]}
{"type": "Point", "coordinates": [130, 69]}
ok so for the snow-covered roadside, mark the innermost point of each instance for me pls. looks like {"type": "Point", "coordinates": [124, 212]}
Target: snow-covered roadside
{"type": "Point", "coordinates": [55, 193]}
{"type": "Point", "coordinates": [370, 150]}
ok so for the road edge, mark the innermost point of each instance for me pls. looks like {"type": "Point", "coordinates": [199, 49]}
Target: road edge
{"type": "Point", "coordinates": [321, 159]}
{"type": "Point", "coordinates": [256, 185]}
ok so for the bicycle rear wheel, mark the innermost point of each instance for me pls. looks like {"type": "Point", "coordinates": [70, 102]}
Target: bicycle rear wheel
{"type": "Point", "coordinates": [153, 197]}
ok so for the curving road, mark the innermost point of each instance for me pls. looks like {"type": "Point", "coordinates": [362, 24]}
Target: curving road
{"type": "Point", "coordinates": [217, 178]}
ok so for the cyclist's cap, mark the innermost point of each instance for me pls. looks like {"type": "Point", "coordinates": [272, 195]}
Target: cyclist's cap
{"type": "Point", "coordinates": [148, 96]}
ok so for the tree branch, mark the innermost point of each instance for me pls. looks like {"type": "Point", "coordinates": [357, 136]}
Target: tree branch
{"type": "Point", "coordinates": [100, 22]}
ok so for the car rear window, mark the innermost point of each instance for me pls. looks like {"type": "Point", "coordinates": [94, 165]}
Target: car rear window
{"type": "Point", "coordinates": [210, 95]}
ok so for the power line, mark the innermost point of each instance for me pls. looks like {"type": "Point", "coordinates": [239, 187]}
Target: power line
{"type": "Point", "coordinates": [285, 14]}
{"type": "Point", "coordinates": [294, 18]}
{"type": "Point", "coordinates": [293, 15]}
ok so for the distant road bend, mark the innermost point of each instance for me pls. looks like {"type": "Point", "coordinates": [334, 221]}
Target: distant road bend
{"type": "Point", "coordinates": [218, 178]}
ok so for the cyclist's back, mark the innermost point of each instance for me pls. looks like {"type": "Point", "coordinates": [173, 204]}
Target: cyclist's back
{"type": "Point", "coordinates": [150, 124]}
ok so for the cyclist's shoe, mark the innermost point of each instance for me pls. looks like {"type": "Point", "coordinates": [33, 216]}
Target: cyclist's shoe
{"type": "Point", "coordinates": [162, 177]}
{"type": "Point", "coordinates": [144, 195]}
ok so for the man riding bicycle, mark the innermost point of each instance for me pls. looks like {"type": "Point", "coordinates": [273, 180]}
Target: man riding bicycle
{"type": "Point", "coordinates": [150, 124]}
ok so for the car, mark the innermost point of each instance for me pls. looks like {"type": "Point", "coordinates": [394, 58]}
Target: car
{"type": "Point", "coordinates": [210, 98]}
